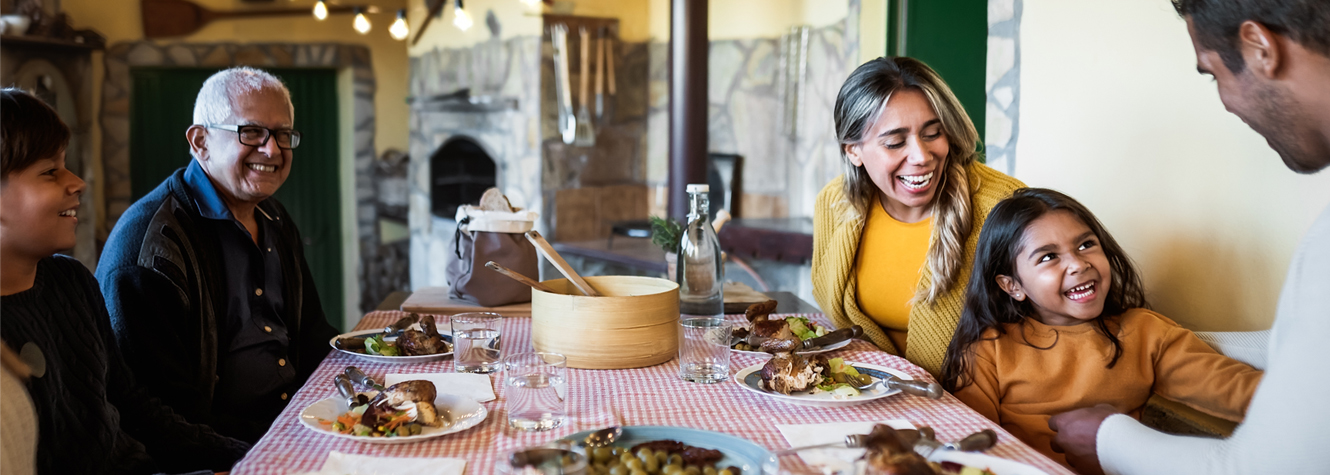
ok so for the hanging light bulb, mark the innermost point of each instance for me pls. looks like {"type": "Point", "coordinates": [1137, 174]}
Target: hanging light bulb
{"type": "Point", "coordinates": [320, 11]}
{"type": "Point", "coordinates": [361, 24]}
{"type": "Point", "coordinates": [461, 19]}
{"type": "Point", "coordinates": [399, 30]}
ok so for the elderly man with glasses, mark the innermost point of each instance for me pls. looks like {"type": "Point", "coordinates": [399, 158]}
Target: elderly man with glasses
{"type": "Point", "coordinates": [205, 279]}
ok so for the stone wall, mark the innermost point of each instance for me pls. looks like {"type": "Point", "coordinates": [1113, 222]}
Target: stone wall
{"type": "Point", "coordinates": [1003, 84]}
{"type": "Point", "coordinates": [503, 118]}
{"type": "Point", "coordinates": [786, 162]}
{"type": "Point", "coordinates": [118, 85]}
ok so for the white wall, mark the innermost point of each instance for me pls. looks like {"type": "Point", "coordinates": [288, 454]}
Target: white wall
{"type": "Point", "coordinates": [1114, 114]}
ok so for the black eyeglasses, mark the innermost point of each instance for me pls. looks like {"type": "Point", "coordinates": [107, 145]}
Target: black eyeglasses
{"type": "Point", "coordinates": [257, 136]}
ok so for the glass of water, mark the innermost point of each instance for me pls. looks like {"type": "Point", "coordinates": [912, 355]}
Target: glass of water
{"type": "Point", "coordinates": [536, 386]}
{"type": "Point", "coordinates": [476, 342]}
{"type": "Point", "coordinates": [704, 349]}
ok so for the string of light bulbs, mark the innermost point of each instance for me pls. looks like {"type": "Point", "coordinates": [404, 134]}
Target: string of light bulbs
{"type": "Point", "coordinates": [399, 29]}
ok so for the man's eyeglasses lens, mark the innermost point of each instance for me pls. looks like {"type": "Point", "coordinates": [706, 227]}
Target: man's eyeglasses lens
{"type": "Point", "coordinates": [258, 136]}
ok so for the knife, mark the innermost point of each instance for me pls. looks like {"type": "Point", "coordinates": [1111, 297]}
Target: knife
{"type": "Point", "coordinates": [927, 445]}
{"type": "Point", "coordinates": [811, 343]}
{"type": "Point", "coordinates": [400, 325]}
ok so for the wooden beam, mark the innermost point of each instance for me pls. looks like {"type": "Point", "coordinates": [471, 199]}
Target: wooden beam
{"type": "Point", "coordinates": [688, 100]}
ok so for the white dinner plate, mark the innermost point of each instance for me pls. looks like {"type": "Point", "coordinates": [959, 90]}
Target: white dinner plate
{"type": "Point", "coordinates": [831, 347]}
{"type": "Point", "coordinates": [447, 336]}
{"type": "Point", "coordinates": [465, 412]}
{"type": "Point", "coordinates": [750, 378]}
{"type": "Point", "coordinates": [999, 466]}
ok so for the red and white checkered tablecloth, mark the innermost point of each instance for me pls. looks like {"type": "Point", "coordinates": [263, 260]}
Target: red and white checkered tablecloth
{"type": "Point", "coordinates": [598, 398]}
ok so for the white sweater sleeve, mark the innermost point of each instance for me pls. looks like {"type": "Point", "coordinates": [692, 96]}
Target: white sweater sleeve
{"type": "Point", "coordinates": [1285, 428]}
{"type": "Point", "coordinates": [1247, 347]}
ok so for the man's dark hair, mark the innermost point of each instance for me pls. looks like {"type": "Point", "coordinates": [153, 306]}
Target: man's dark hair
{"type": "Point", "coordinates": [30, 130]}
{"type": "Point", "coordinates": [1216, 23]}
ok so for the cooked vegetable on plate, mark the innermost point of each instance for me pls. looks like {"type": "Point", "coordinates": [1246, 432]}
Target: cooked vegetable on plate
{"type": "Point", "coordinates": [411, 342]}
{"type": "Point", "coordinates": [401, 410]}
{"type": "Point", "coordinates": [788, 373]}
{"type": "Point", "coordinates": [773, 330]}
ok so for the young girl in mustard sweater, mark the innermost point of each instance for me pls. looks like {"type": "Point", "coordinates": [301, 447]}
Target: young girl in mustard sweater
{"type": "Point", "coordinates": [1056, 319]}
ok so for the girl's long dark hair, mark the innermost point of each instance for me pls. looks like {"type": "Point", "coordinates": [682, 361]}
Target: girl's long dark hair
{"type": "Point", "coordinates": [988, 306]}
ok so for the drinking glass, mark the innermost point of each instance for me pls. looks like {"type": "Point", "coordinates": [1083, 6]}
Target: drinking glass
{"type": "Point", "coordinates": [536, 386]}
{"type": "Point", "coordinates": [476, 342]}
{"type": "Point", "coordinates": [704, 349]}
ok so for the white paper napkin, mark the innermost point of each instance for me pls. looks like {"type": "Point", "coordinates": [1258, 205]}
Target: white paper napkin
{"type": "Point", "coordinates": [350, 464]}
{"type": "Point", "coordinates": [832, 460]}
{"type": "Point", "coordinates": [474, 386]}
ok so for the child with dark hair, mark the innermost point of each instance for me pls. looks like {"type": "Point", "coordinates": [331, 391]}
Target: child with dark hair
{"type": "Point", "coordinates": [1055, 318]}
{"type": "Point", "coordinates": [92, 417]}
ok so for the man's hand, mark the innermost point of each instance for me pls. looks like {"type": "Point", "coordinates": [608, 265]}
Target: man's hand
{"type": "Point", "coordinates": [1076, 433]}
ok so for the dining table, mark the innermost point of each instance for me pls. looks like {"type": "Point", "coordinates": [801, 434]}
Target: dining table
{"type": "Point", "coordinates": [653, 395]}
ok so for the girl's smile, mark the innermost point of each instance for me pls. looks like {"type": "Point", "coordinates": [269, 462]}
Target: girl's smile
{"type": "Point", "coordinates": [1062, 269]}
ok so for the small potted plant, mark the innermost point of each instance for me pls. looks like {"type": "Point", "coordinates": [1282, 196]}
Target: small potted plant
{"type": "Point", "coordinates": [665, 232]}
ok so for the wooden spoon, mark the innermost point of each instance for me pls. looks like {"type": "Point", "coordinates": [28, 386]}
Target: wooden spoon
{"type": "Point", "coordinates": [553, 256]}
{"type": "Point", "coordinates": [166, 18]}
{"type": "Point", "coordinates": [512, 274]}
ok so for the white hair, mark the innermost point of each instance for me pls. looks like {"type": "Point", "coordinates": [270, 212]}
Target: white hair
{"type": "Point", "coordinates": [214, 105]}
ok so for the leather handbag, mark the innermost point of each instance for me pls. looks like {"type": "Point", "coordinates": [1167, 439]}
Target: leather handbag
{"type": "Point", "coordinates": [484, 236]}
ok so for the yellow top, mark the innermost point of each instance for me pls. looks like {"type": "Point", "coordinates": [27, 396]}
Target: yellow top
{"type": "Point", "coordinates": [836, 231]}
{"type": "Point", "coordinates": [890, 256]}
{"type": "Point", "coordinates": [1025, 376]}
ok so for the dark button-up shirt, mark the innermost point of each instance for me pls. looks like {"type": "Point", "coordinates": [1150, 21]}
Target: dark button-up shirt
{"type": "Point", "coordinates": [254, 377]}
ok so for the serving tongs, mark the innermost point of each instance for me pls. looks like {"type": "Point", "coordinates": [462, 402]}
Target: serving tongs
{"type": "Point", "coordinates": [553, 256]}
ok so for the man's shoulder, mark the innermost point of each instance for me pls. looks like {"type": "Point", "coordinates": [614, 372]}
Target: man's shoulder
{"type": "Point", "coordinates": [153, 227]}
{"type": "Point", "coordinates": [131, 223]}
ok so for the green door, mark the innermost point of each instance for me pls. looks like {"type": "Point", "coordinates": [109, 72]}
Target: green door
{"type": "Point", "coordinates": [951, 36]}
{"type": "Point", "coordinates": [163, 108]}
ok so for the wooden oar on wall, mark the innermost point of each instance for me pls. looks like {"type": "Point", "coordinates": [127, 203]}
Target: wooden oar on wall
{"type": "Point", "coordinates": [165, 18]}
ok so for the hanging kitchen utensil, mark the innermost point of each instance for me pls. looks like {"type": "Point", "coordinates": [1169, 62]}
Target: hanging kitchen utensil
{"type": "Point", "coordinates": [609, 60]}
{"type": "Point", "coordinates": [562, 83]}
{"type": "Point", "coordinates": [600, 75]}
{"type": "Point", "coordinates": [434, 10]}
{"type": "Point", "coordinates": [166, 18]}
{"type": "Point", "coordinates": [586, 136]}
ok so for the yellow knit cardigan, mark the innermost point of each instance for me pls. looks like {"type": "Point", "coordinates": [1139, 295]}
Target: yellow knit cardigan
{"type": "Point", "coordinates": [837, 229]}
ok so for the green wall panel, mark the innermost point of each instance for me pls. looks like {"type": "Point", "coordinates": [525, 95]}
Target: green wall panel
{"type": "Point", "coordinates": [951, 36]}
{"type": "Point", "coordinates": [162, 108]}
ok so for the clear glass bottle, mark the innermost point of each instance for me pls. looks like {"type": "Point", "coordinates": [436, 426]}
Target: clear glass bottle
{"type": "Point", "coordinates": [700, 271]}
{"type": "Point", "coordinates": [704, 336]}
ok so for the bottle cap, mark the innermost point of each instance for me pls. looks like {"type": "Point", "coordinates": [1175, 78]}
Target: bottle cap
{"type": "Point", "coordinates": [698, 188]}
